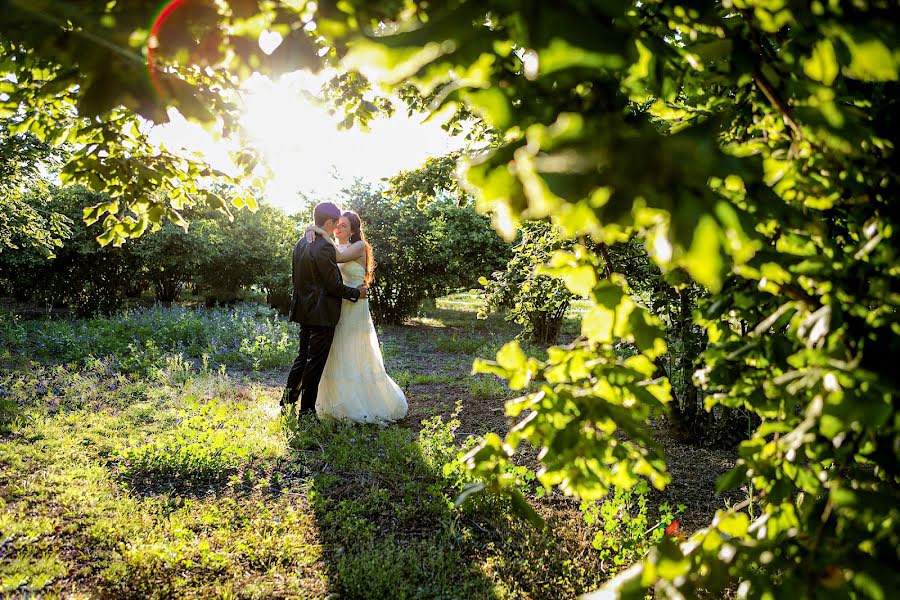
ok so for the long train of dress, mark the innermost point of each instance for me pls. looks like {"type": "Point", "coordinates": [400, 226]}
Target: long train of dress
{"type": "Point", "coordinates": [355, 384]}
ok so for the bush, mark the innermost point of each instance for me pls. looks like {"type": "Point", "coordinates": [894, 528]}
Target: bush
{"type": "Point", "coordinates": [622, 530]}
{"type": "Point", "coordinates": [252, 250]}
{"type": "Point", "coordinates": [83, 276]}
{"type": "Point", "coordinates": [536, 302]}
{"type": "Point", "coordinates": [170, 257]}
{"type": "Point", "coordinates": [673, 300]}
{"type": "Point", "coordinates": [422, 253]}
{"type": "Point", "coordinates": [219, 257]}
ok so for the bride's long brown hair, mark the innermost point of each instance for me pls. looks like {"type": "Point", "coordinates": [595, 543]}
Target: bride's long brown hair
{"type": "Point", "coordinates": [357, 233]}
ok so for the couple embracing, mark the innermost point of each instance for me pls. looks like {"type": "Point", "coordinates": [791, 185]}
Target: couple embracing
{"type": "Point", "coordinates": [339, 371]}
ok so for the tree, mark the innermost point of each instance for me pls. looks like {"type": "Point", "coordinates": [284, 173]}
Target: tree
{"type": "Point", "coordinates": [81, 276]}
{"type": "Point", "coordinates": [750, 145]}
{"type": "Point", "coordinates": [170, 257]}
{"type": "Point", "coordinates": [535, 301]}
{"type": "Point", "coordinates": [422, 253]}
{"type": "Point", "coordinates": [22, 225]}
{"type": "Point", "coordinates": [673, 299]}
{"type": "Point", "coordinates": [469, 245]}
{"type": "Point", "coordinates": [83, 72]}
{"type": "Point", "coordinates": [252, 250]}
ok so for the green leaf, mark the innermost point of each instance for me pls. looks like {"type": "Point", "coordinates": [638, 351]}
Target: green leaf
{"type": "Point", "coordinates": [579, 278]}
{"type": "Point", "coordinates": [732, 479]}
{"type": "Point", "coordinates": [704, 261]}
{"type": "Point", "coordinates": [597, 324]}
{"type": "Point", "coordinates": [511, 357]}
{"type": "Point", "coordinates": [733, 525]}
{"type": "Point", "coordinates": [492, 104]}
{"type": "Point", "coordinates": [822, 65]}
{"type": "Point", "coordinates": [671, 562]}
{"type": "Point", "coordinates": [871, 58]}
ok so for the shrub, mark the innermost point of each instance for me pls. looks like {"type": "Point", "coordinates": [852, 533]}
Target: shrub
{"type": "Point", "coordinates": [83, 276]}
{"type": "Point", "coordinates": [534, 301]}
{"type": "Point", "coordinates": [623, 533]}
{"type": "Point", "coordinates": [422, 253]}
{"type": "Point", "coordinates": [170, 258]}
{"type": "Point", "coordinates": [673, 300]}
{"type": "Point", "coordinates": [252, 250]}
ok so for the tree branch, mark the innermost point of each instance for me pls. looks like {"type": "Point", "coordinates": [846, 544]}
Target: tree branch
{"type": "Point", "coordinates": [771, 94]}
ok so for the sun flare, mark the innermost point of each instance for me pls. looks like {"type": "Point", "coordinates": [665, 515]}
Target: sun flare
{"type": "Point", "coordinates": [306, 151]}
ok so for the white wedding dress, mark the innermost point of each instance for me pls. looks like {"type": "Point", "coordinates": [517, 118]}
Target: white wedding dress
{"type": "Point", "coordinates": [355, 385]}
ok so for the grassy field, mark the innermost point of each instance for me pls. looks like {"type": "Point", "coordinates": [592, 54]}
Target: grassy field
{"type": "Point", "coordinates": [144, 455]}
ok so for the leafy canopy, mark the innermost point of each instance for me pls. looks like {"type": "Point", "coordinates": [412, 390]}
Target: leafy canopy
{"type": "Point", "coordinates": [751, 145]}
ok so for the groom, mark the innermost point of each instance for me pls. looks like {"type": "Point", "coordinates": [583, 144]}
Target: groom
{"type": "Point", "coordinates": [316, 305]}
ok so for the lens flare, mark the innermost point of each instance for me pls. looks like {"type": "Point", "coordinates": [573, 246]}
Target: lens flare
{"type": "Point", "coordinates": [164, 14]}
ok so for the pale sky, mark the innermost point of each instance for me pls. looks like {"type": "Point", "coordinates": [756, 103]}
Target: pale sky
{"type": "Point", "coordinates": [302, 146]}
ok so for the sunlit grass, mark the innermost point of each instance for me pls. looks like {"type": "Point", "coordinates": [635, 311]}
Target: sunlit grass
{"type": "Point", "coordinates": [175, 474]}
{"type": "Point", "coordinates": [141, 340]}
{"type": "Point", "coordinates": [464, 301]}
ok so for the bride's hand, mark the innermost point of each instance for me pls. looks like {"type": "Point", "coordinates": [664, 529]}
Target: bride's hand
{"type": "Point", "coordinates": [311, 232]}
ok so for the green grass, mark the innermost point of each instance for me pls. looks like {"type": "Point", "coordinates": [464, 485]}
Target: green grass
{"type": "Point", "coordinates": [164, 472]}
{"type": "Point", "coordinates": [463, 301]}
{"type": "Point", "coordinates": [488, 388]}
{"type": "Point", "coordinates": [142, 340]}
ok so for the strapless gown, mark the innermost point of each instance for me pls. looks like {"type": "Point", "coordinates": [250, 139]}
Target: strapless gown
{"type": "Point", "coordinates": [355, 385]}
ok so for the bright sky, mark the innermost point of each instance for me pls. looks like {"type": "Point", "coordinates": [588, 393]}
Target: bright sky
{"type": "Point", "coordinates": [302, 145]}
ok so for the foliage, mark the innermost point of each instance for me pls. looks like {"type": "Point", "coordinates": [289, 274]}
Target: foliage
{"type": "Point", "coordinates": [533, 300]}
{"type": "Point", "coordinates": [170, 257]}
{"type": "Point", "coordinates": [673, 301]}
{"type": "Point", "coordinates": [143, 340]}
{"type": "Point", "coordinates": [22, 224]}
{"type": "Point", "coordinates": [82, 275]}
{"type": "Point", "coordinates": [81, 72]}
{"type": "Point", "coordinates": [436, 177]}
{"type": "Point", "coordinates": [469, 247]}
{"type": "Point", "coordinates": [751, 145]}
{"type": "Point", "coordinates": [623, 531]}
{"type": "Point", "coordinates": [422, 253]}
{"type": "Point", "coordinates": [253, 249]}
{"type": "Point", "coordinates": [215, 256]}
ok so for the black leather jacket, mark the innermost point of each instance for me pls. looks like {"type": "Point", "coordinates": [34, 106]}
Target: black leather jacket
{"type": "Point", "coordinates": [318, 286]}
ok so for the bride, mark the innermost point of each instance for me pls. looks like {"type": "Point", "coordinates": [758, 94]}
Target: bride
{"type": "Point", "coordinates": [355, 384]}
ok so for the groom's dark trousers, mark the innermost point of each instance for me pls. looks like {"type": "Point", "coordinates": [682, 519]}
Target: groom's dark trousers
{"type": "Point", "coordinates": [306, 372]}
{"type": "Point", "coordinates": [316, 305]}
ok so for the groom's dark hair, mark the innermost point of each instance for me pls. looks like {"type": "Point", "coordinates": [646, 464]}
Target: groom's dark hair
{"type": "Point", "coordinates": [325, 211]}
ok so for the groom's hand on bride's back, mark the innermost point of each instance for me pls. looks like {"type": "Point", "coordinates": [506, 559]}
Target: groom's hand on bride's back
{"type": "Point", "coordinates": [363, 291]}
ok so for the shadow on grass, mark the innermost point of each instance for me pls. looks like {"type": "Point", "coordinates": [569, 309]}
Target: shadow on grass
{"type": "Point", "coordinates": [386, 526]}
